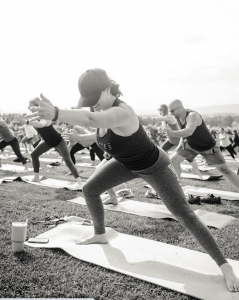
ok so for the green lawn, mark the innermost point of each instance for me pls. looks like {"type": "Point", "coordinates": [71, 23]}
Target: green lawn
{"type": "Point", "coordinates": [42, 273]}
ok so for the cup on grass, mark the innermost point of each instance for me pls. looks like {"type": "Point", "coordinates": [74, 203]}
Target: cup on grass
{"type": "Point", "coordinates": [19, 233]}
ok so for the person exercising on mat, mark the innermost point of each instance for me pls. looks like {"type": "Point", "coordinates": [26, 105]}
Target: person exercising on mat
{"type": "Point", "coordinates": [169, 121]}
{"type": "Point", "coordinates": [134, 155]}
{"type": "Point", "coordinates": [50, 139]}
{"type": "Point", "coordinates": [8, 138]}
{"type": "Point", "coordinates": [196, 139]}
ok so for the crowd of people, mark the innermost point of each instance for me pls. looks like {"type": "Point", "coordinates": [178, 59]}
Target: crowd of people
{"type": "Point", "coordinates": [132, 154]}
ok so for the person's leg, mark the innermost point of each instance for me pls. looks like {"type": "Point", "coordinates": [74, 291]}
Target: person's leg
{"type": "Point", "coordinates": [112, 198]}
{"type": "Point", "coordinates": [77, 147]}
{"type": "Point", "coordinates": [98, 151]}
{"type": "Point", "coordinates": [36, 143]}
{"type": "Point", "coordinates": [183, 153]}
{"type": "Point", "coordinates": [106, 177]}
{"type": "Point", "coordinates": [162, 177]}
{"type": "Point", "coordinates": [37, 152]}
{"type": "Point", "coordinates": [230, 150]}
{"type": "Point", "coordinates": [229, 174]}
{"type": "Point", "coordinates": [216, 158]}
{"type": "Point", "coordinates": [92, 156]}
{"type": "Point", "coordinates": [176, 161]}
{"type": "Point", "coordinates": [3, 144]}
{"type": "Point", "coordinates": [196, 168]}
{"type": "Point", "coordinates": [24, 142]}
{"type": "Point", "coordinates": [64, 151]}
{"type": "Point", "coordinates": [16, 148]}
{"type": "Point", "coordinates": [166, 146]}
{"type": "Point", "coordinates": [30, 144]}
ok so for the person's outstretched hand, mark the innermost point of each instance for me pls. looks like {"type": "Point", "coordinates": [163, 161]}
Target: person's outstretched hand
{"type": "Point", "coordinates": [71, 137]}
{"type": "Point", "coordinates": [41, 108]}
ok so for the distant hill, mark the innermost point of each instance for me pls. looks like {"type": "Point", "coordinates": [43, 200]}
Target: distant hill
{"type": "Point", "coordinates": [229, 109]}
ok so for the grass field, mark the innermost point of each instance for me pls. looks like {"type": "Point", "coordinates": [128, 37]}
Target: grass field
{"type": "Point", "coordinates": [52, 273]}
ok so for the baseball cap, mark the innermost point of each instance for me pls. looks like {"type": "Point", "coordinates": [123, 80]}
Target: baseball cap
{"type": "Point", "coordinates": [91, 83]}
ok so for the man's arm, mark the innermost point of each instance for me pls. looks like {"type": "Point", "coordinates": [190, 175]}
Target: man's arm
{"type": "Point", "coordinates": [168, 119]}
{"type": "Point", "coordinates": [188, 131]}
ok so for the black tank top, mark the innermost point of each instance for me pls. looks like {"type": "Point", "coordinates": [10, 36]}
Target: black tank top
{"type": "Point", "coordinates": [201, 139]}
{"type": "Point", "coordinates": [135, 152]}
{"type": "Point", "coordinates": [50, 135]}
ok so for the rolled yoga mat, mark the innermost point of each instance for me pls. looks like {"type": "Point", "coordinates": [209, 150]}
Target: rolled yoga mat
{"type": "Point", "coordinates": [182, 270]}
{"type": "Point", "coordinates": [161, 212]}
{"type": "Point", "coordinates": [55, 183]}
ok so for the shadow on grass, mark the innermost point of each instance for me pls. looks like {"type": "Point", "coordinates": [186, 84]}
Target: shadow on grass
{"type": "Point", "coordinates": [24, 257]}
{"type": "Point", "coordinates": [64, 194]}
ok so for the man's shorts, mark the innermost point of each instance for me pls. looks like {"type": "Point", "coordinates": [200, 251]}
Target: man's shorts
{"type": "Point", "coordinates": [167, 145]}
{"type": "Point", "coordinates": [212, 156]}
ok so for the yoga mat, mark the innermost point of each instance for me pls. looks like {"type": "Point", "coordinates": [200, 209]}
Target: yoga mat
{"type": "Point", "coordinates": [83, 174]}
{"type": "Point", "coordinates": [199, 191]}
{"type": "Point", "coordinates": [55, 183]}
{"type": "Point", "coordinates": [182, 270]}
{"type": "Point", "coordinates": [14, 168]}
{"type": "Point", "coordinates": [201, 168]}
{"type": "Point", "coordinates": [88, 165]}
{"type": "Point", "coordinates": [7, 156]}
{"type": "Point", "coordinates": [161, 212]}
{"type": "Point", "coordinates": [205, 177]}
{"type": "Point", "coordinates": [88, 157]}
{"type": "Point", "coordinates": [51, 160]}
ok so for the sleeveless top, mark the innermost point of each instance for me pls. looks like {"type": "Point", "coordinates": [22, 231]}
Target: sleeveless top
{"type": "Point", "coordinates": [50, 135]}
{"type": "Point", "coordinates": [5, 132]}
{"type": "Point", "coordinates": [201, 139]}
{"type": "Point", "coordinates": [135, 152]}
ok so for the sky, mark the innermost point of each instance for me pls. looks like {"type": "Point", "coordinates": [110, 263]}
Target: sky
{"type": "Point", "coordinates": [157, 50]}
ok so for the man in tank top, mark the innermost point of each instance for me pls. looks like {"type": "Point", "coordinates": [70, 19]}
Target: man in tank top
{"type": "Point", "coordinates": [196, 139]}
{"type": "Point", "coordinates": [167, 120]}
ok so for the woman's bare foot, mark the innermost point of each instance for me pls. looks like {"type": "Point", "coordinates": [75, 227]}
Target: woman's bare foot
{"type": "Point", "coordinates": [95, 239]}
{"type": "Point", "coordinates": [231, 280]}
{"type": "Point", "coordinates": [110, 200]}
{"type": "Point", "coordinates": [36, 178]}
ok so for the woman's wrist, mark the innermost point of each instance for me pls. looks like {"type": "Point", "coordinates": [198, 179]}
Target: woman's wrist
{"type": "Point", "coordinates": [56, 116]}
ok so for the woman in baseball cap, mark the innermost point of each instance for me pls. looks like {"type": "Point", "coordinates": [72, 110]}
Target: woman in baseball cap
{"type": "Point", "coordinates": [120, 134]}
